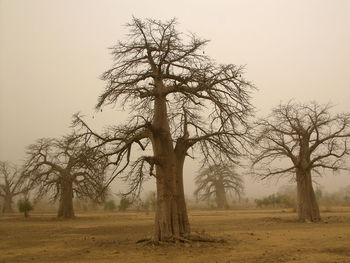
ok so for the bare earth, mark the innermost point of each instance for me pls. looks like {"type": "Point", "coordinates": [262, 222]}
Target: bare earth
{"type": "Point", "coordinates": [251, 235]}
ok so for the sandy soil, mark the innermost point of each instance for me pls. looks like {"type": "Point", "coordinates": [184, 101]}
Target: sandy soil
{"type": "Point", "coordinates": [251, 235]}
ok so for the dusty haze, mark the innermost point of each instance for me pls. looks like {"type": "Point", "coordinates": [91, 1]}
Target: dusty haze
{"type": "Point", "coordinates": [53, 52]}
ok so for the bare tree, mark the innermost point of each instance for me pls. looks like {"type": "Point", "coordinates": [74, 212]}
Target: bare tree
{"type": "Point", "coordinates": [64, 167]}
{"type": "Point", "coordinates": [216, 181]}
{"type": "Point", "coordinates": [311, 138]}
{"type": "Point", "coordinates": [178, 99]}
{"type": "Point", "coordinates": [12, 183]}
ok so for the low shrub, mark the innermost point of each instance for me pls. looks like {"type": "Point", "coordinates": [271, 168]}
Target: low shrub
{"type": "Point", "coordinates": [24, 206]}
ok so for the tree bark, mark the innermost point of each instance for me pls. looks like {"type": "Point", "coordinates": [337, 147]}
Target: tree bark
{"type": "Point", "coordinates": [7, 204]}
{"type": "Point", "coordinates": [221, 199]}
{"type": "Point", "coordinates": [65, 209]}
{"type": "Point", "coordinates": [167, 226]}
{"type": "Point", "coordinates": [166, 219]}
{"type": "Point", "coordinates": [184, 223]}
{"type": "Point", "coordinates": [308, 209]}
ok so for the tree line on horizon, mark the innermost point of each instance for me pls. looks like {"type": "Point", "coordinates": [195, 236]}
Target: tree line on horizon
{"type": "Point", "coordinates": [180, 103]}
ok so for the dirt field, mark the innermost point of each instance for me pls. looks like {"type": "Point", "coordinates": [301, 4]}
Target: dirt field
{"type": "Point", "coordinates": [251, 235]}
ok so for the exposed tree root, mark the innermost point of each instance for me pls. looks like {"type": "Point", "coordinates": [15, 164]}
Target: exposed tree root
{"type": "Point", "coordinates": [143, 240]}
{"type": "Point", "coordinates": [189, 239]}
{"type": "Point", "coordinates": [306, 220]}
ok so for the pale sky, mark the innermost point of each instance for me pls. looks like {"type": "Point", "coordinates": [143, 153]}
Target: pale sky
{"type": "Point", "coordinates": [53, 52]}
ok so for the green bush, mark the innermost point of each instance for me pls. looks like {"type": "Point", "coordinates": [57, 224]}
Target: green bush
{"type": "Point", "coordinates": [279, 200]}
{"type": "Point", "coordinates": [109, 205]}
{"type": "Point", "coordinates": [24, 206]}
{"type": "Point", "coordinates": [124, 204]}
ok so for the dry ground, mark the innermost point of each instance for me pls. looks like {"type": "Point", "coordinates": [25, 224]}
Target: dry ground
{"type": "Point", "coordinates": [252, 236]}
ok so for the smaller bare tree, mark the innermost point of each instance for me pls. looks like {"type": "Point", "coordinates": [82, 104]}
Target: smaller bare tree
{"type": "Point", "coordinates": [11, 184]}
{"type": "Point", "coordinates": [311, 138]}
{"type": "Point", "coordinates": [64, 167]}
{"type": "Point", "coordinates": [216, 181]}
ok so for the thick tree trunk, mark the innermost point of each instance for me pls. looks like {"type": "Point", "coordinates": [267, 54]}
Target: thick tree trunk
{"type": "Point", "coordinates": [166, 219]}
{"type": "Point", "coordinates": [7, 208]}
{"type": "Point", "coordinates": [65, 209]}
{"type": "Point", "coordinates": [308, 209]}
{"type": "Point", "coordinates": [221, 199]}
{"type": "Point", "coordinates": [184, 223]}
{"type": "Point", "coordinates": [167, 222]}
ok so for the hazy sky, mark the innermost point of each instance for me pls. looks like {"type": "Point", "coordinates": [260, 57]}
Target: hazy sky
{"type": "Point", "coordinates": [53, 52]}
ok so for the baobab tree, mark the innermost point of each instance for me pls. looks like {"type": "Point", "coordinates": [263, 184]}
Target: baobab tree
{"type": "Point", "coordinates": [12, 184]}
{"type": "Point", "coordinates": [64, 167]}
{"type": "Point", "coordinates": [311, 138]}
{"type": "Point", "coordinates": [217, 181]}
{"type": "Point", "coordinates": [177, 99]}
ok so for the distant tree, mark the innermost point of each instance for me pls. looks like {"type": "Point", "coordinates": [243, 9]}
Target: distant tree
{"type": "Point", "coordinates": [64, 167]}
{"type": "Point", "coordinates": [12, 184]}
{"type": "Point", "coordinates": [288, 189]}
{"type": "Point", "coordinates": [24, 206]}
{"type": "Point", "coordinates": [179, 99]}
{"type": "Point", "coordinates": [151, 200]}
{"type": "Point", "coordinates": [124, 203]}
{"type": "Point", "coordinates": [216, 181]}
{"type": "Point", "coordinates": [318, 194]}
{"type": "Point", "coordinates": [347, 194]}
{"type": "Point", "coordinates": [311, 138]}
